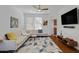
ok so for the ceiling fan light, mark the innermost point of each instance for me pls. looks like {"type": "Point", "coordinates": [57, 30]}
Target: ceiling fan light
{"type": "Point", "coordinates": [39, 10]}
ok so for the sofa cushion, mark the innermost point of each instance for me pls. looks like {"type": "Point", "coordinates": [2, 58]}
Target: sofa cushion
{"type": "Point", "coordinates": [20, 36]}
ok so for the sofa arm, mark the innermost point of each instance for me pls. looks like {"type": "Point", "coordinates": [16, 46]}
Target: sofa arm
{"type": "Point", "coordinates": [7, 45]}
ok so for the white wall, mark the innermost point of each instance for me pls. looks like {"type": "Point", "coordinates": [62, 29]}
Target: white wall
{"type": "Point", "coordinates": [5, 13]}
{"type": "Point", "coordinates": [67, 32]}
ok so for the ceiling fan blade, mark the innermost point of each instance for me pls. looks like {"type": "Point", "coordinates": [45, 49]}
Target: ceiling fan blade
{"type": "Point", "coordinates": [45, 9]}
{"type": "Point", "coordinates": [35, 7]}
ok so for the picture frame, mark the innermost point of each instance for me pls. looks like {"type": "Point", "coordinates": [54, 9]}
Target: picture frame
{"type": "Point", "coordinates": [13, 22]}
{"type": "Point", "coordinates": [45, 22]}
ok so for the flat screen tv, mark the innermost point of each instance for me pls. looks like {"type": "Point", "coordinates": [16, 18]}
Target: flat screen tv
{"type": "Point", "coordinates": [69, 17]}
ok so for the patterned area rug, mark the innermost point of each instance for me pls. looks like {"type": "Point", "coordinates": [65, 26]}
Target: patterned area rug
{"type": "Point", "coordinates": [39, 45]}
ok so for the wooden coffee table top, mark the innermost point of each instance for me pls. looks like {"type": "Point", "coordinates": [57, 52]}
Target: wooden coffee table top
{"type": "Point", "coordinates": [63, 47]}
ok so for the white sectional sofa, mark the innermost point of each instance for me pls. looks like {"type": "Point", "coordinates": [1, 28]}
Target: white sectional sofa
{"type": "Point", "coordinates": [8, 45]}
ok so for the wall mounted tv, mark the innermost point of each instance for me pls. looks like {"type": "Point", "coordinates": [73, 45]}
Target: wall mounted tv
{"type": "Point", "coordinates": [69, 17]}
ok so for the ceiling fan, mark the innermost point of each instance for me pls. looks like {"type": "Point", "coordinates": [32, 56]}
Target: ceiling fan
{"type": "Point", "coordinates": [40, 8]}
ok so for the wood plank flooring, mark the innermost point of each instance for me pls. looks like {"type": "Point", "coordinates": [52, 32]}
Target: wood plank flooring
{"type": "Point", "coordinates": [63, 47]}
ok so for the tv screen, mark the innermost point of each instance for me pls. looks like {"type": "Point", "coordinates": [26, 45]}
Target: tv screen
{"type": "Point", "coordinates": [69, 17]}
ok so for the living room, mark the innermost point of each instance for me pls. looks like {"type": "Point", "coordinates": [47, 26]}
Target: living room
{"type": "Point", "coordinates": [15, 19]}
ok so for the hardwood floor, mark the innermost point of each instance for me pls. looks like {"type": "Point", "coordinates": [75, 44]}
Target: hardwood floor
{"type": "Point", "coordinates": [63, 47]}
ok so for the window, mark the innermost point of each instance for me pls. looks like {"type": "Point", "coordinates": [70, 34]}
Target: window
{"type": "Point", "coordinates": [29, 23]}
{"type": "Point", "coordinates": [38, 23]}
{"type": "Point", "coordinates": [34, 23]}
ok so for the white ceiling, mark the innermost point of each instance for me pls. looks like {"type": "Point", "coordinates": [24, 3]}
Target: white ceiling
{"type": "Point", "coordinates": [51, 8]}
{"type": "Point", "coordinates": [31, 9]}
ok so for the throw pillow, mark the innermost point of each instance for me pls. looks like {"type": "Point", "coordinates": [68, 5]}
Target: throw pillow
{"type": "Point", "coordinates": [11, 36]}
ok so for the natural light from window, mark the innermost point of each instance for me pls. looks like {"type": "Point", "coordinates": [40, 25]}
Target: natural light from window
{"type": "Point", "coordinates": [34, 23]}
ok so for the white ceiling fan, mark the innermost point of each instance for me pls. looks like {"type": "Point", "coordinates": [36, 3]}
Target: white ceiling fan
{"type": "Point", "coordinates": [40, 8]}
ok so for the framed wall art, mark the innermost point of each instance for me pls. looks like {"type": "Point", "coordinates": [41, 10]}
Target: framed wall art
{"type": "Point", "coordinates": [13, 22]}
{"type": "Point", "coordinates": [45, 22]}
